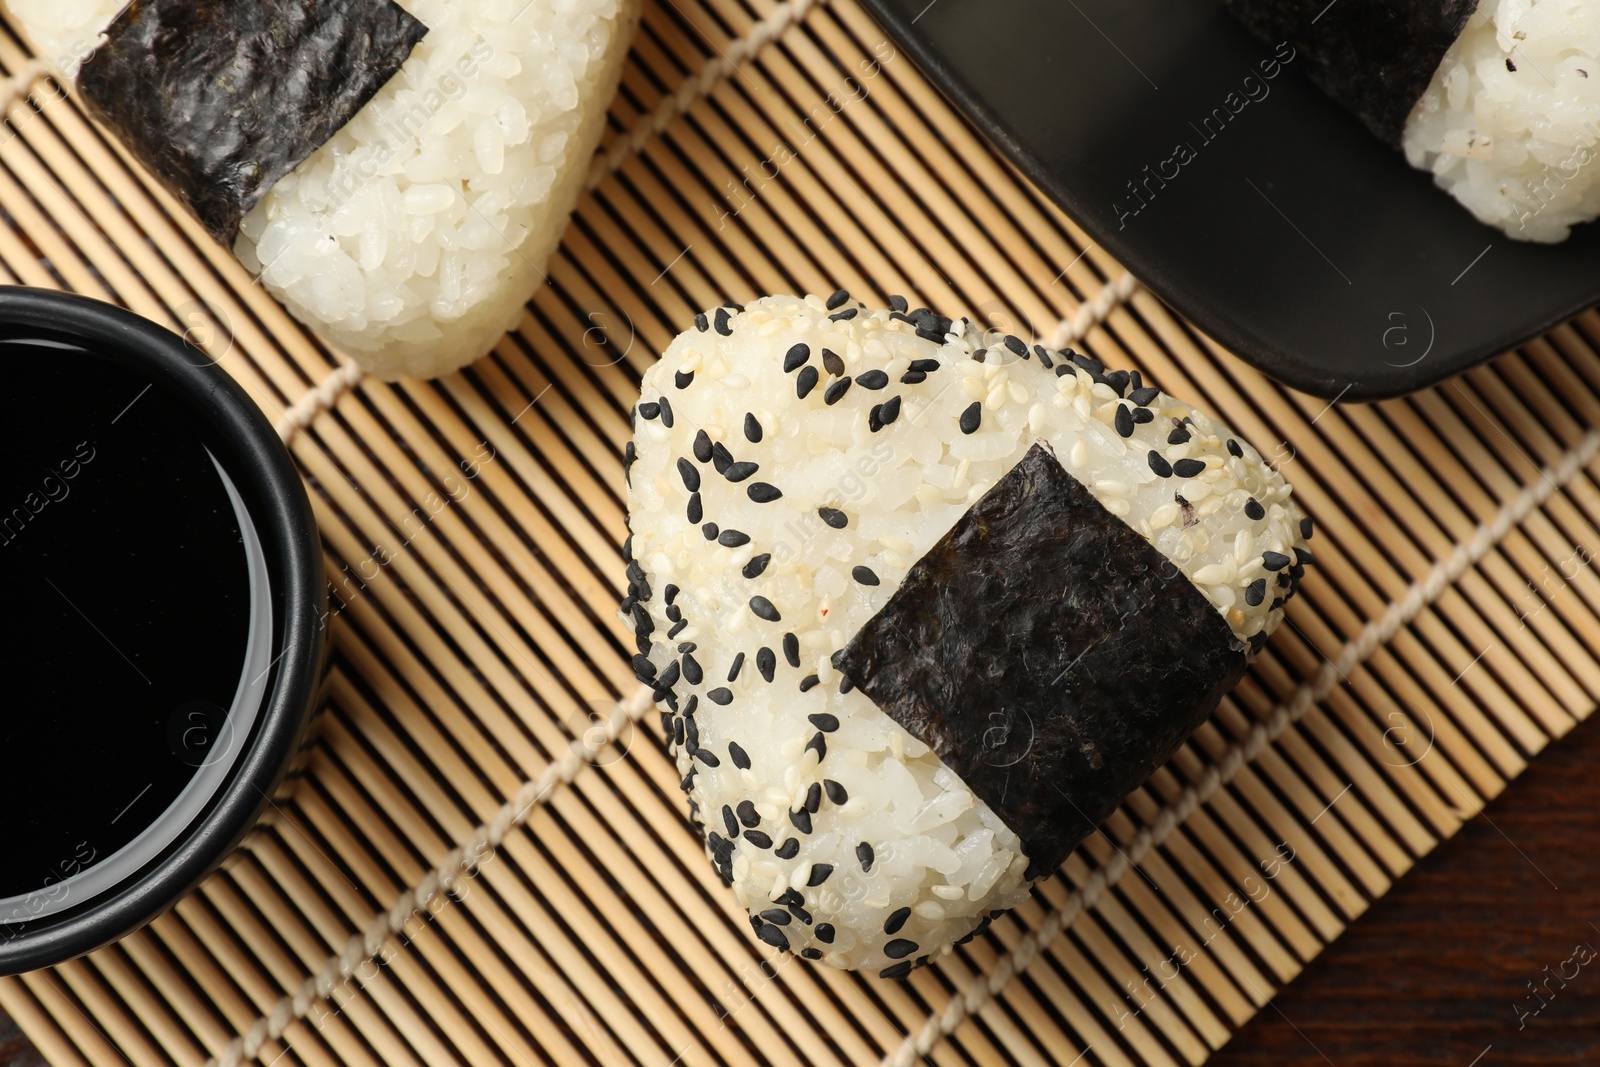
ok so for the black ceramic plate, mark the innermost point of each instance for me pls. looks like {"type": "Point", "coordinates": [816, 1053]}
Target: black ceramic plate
{"type": "Point", "coordinates": [1287, 232]}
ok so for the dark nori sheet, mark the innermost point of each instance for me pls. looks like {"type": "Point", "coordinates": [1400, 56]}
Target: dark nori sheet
{"type": "Point", "coordinates": [221, 98]}
{"type": "Point", "coordinates": [1376, 58]}
{"type": "Point", "coordinates": [1048, 653]}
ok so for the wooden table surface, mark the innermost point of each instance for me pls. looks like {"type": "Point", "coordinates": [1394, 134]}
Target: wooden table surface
{"type": "Point", "coordinates": [1439, 971]}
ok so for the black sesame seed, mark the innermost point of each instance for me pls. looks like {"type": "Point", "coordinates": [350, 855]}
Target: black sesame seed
{"type": "Point", "coordinates": [837, 793]}
{"type": "Point", "coordinates": [788, 850]}
{"type": "Point", "coordinates": [1123, 421]}
{"type": "Point", "coordinates": [1302, 555]}
{"type": "Point", "coordinates": [777, 915]}
{"type": "Point", "coordinates": [738, 472]}
{"type": "Point", "coordinates": [756, 565]}
{"type": "Point", "coordinates": [722, 323]}
{"type": "Point", "coordinates": [710, 530]}
{"type": "Point", "coordinates": [696, 509]}
{"type": "Point", "coordinates": [752, 428]}
{"type": "Point", "coordinates": [896, 920]}
{"type": "Point", "coordinates": [791, 649]}
{"type": "Point", "coordinates": [813, 798]}
{"type": "Point", "coordinates": [832, 363]}
{"type": "Point", "coordinates": [775, 937]}
{"type": "Point", "coordinates": [766, 663]}
{"type": "Point", "coordinates": [808, 683]}
{"type": "Point", "coordinates": [890, 410]}
{"type": "Point", "coordinates": [817, 744]}
{"type": "Point", "coordinates": [649, 411]}
{"type": "Point", "coordinates": [690, 476]}
{"type": "Point", "coordinates": [844, 316]}
{"type": "Point", "coordinates": [705, 755]}
{"type": "Point", "coordinates": [789, 897]}
{"type": "Point", "coordinates": [756, 837]}
{"type": "Point", "coordinates": [1144, 397]}
{"type": "Point", "coordinates": [1119, 381]}
{"type": "Point", "coordinates": [899, 948]}
{"type": "Point", "coordinates": [796, 357]}
{"type": "Point", "coordinates": [1253, 510]}
{"type": "Point", "coordinates": [702, 446]}
{"type": "Point", "coordinates": [733, 538]}
{"type": "Point", "coordinates": [677, 730]}
{"type": "Point", "coordinates": [1159, 464]}
{"type": "Point", "coordinates": [1274, 561]}
{"type": "Point", "coordinates": [700, 322]}
{"type": "Point", "coordinates": [865, 854]}
{"type": "Point", "coordinates": [730, 821]}
{"type": "Point", "coordinates": [926, 366]}
{"type": "Point", "coordinates": [682, 378]}
{"type": "Point", "coordinates": [913, 377]}
{"type": "Point", "coordinates": [1188, 468]}
{"type": "Point", "coordinates": [677, 628]}
{"type": "Point", "coordinates": [741, 758]}
{"type": "Point", "coordinates": [825, 933]}
{"type": "Point", "coordinates": [1016, 345]}
{"type": "Point", "coordinates": [810, 953]}
{"type": "Point", "coordinates": [835, 390]}
{"type": "Point", "coordinates": [834, 517]}
{"type": "Point", "coordinates": [806, 382]}
{"type": "Point", "coordinates": [837, 300]}
{"type": "Point", "coordinates": [1305, 527]}
{"type": "Point", "coordinates": [670, 593]}
{"type": "Point", "coordinates": [972, 417]}
{"type": "Point", "coordinates": [721, 458]}
{"type": "Point", "coordinates": [1142, 416]}
{"type": "Point", "coordinates": [643, 668]}
{"type": "Point", "coordinates": [666, 412]}
{"type": "Point", "coordinates": [747, 813]}
{"type": "Point", "coordinates": [721, 696]}
{"type": "Point", "coordinates": [801, 820]}
{"type": "Point", "coordinates": [875, 418]}
{"type": "Point", "coordinates": [980, 356]}
{"type": "Point", "coordinates": [738, 665]}
{"type": "Point", "coordinates": [824, 722]}
{"type": "Point", "coordinates": [763, 492]}
{"type": "Point", "coordinates": [819, 873]}
{"type": "Point", "coordinates": [1255, 592]}
{"type": "Point", "coordinates": [669, 677]}
{"type": "Point", "coordinates": [763, 609]}
{"type": "Point", "coordinates": [692, 673]}
{"type": "Point", "coordinates": [1178, 436]}
{"type": "Point", "coordinates": [1044, 356]}
{"type": "Point", "coordinates": [872, 379]}
{"type": "Point", "coordinates": [1234, 450]}
{"type": "Point", "coordinates": [864, 575]}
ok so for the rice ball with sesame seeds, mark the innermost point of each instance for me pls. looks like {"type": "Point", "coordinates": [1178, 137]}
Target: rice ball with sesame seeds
{"type": "Point", "coordinates": [922, 605]}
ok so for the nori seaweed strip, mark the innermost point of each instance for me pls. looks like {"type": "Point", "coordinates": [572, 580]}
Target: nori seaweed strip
{"type": "Point", "coordinates": [221, 99]}
{"type": "Point", "coordinates": [1374, 58]}
{"type": "Point", "coordinates": [1049, 654]}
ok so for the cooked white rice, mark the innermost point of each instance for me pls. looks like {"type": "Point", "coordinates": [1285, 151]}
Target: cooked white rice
{"type": "Point", "coordinates": [414, 236]}
{"type": "Point", "coordinates": [896, 829]}
{"type": "Point", "coordinates": [1510, 124]}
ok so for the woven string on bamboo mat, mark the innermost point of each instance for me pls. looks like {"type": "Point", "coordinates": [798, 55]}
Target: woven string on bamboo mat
{"type": "Point", "coordinates": [488, 861]}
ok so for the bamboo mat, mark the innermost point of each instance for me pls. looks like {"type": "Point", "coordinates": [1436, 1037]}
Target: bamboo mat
{"type": "Point", "coordinates": [474, 759]}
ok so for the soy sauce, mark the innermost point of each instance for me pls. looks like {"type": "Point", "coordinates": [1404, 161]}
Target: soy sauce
{"type": "Point", "coordinates": [125, 611]}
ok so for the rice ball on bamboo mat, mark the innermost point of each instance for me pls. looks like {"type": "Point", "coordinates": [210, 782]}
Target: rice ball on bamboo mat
{"type": "Point", "coordinates": [395, 174]}
{"type": "Point", "coordinates": [922, 606]}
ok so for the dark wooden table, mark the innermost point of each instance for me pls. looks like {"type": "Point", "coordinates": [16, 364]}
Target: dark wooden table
{"type": "Point", "coordinates": [1436, 972]}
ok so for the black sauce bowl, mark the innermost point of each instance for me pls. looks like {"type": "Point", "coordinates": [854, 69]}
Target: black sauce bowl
{"type": "Point", "coordinates": [60, 749]}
